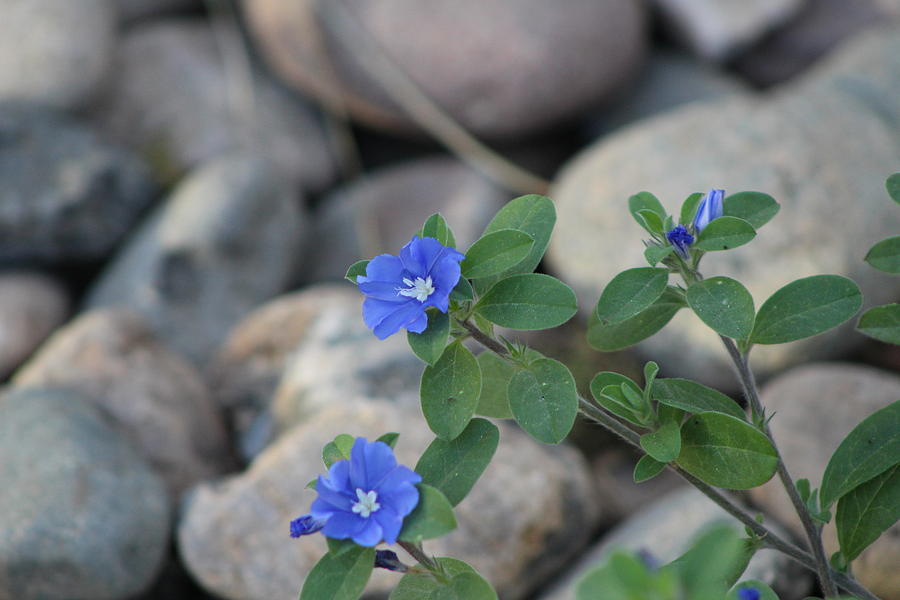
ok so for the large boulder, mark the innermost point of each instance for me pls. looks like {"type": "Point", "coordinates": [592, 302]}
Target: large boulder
{"type": "Point", "coordinates": [822, 147]}
{"type": "Point", "coordinates": [501, 69]}
{"type": "Point", "coordinates": [32, 305]}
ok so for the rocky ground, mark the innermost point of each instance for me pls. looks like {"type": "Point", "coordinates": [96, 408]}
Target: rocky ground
{"type": "Point", "coordinates": [183, 184]}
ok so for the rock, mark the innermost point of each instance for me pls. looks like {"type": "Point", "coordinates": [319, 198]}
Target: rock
{"type": "Point", "coordinates": [151, 395]}
{"type": "Point", "coordinates": [382, 212]}
{"type": "Point", "coordinates": [450, 49]}
{"type": "Point", "coordinates": [717, 29]}
{"type": "Point", "coordinates": [67, 196]}
{"type": "Point", "coordinates": [180, 100]}
{"type": "Point", "coordinates": [81, 515]}
{"type": "Point", "coordinates": [227, 239]}
{"type": "Point", "coordinates": [815, 407]}
{"type": "Point", "coordinates": [813, 145]}
{"type": "Point", "coordinates": [31, 307]}
{"type": "Point", "coordinates": [666, 529]}
{"type": "Point", "coordinates": [55, 53]}
{"type": "Point", "coordinates": [136, 10]}
{"type": "Point", "coordinates": [617, 493]}
{"type": "Point", "coordinates": [530, 511]}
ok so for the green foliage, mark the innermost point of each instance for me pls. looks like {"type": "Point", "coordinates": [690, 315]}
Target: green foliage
{"type": "Point", "coordinates": [432, 517]}
{"type": "Point", "coordinates": [450, 390]}
{"type": "Point", "coordinates": [336, 450]}
{"type": "Point", "coordinates": [647, 468]}
{"type": "Point", "coordinates": [339, 576]}
{"type": "Point", "coordinates": [608, 337]}
{"type": "Point", "coordinates": [463, 291]}
{"type": "Point", "coordinates": [495, 375]}
{"type": "Point", "coordinates": [654, 254]}
{"type": "Point", "coordinates": [437, 228]}
{"type": "Point", "coordinates": [689, 208]}
{"type": "Point", "coordinates": [528, 302]}
{"type": "Point", "coordinates": [664, 444]}
{"type": "Point", "coordinates": [430, 344]}
{"type": "Point", "coordinates": [356, 269]}
{"type": "Point", "coordinates": [544, 400]}
{"type": "Point", "coordinates": [726, 452]}
{"type": "Point", "coordinates": [712, 564]}
{"type": "Point", "coordinates": [458, 581]}
{"type": "Point", "coordinates": [806, 307]}
{"type": "Point", "coordinates": [870, 449]}
{"type": "Point", "coordinates": [724, 305]}
{"type": "Point", "coordinates": [454, 466]}
{"type": "Point", "coordinates": [496, 252]}
{"type": "Point", "coordinates": [625, 577]}
{"type": "Point", "coordinates": [725, 233]}
{"type": "Point", "coordinates": [606, 388]}
{"type": "Point", "coordinates": [754, 207]}
{"type": "Point", "coordinates": [390, 439]}
{"type": "Point", "coordinates": [867, 511]}
{"type": "Point", "coordinates": [881, 323]}
{"type": "Point", "coordinates": [694, 397]}
{"type": "Point", "coordinates": [630, 293]}
{"type": "Point", "coordinates": [892, 185]}
{"type": "Point", "coordinates": [647, 211]}
{"type": "Point", "coordinates": [885, 255]}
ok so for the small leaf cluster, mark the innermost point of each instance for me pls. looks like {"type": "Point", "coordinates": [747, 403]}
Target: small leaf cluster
{"type": "Point", "coordinates": [883, 322]}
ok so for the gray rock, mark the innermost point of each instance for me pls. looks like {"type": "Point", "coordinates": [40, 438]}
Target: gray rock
{"type": "Point", "coordinates": [136, 10]}
{"type": "Point", "coordinates": [66, 195]}
{"type": "Point", "coordinates": [544, 71]}
{"type": "Point", "coordinates": [665, 529]}
{"type": "Point", "coordinates": [55, 53]}
{"type": "Point", "coordinates": [381, 212]}
{"type": "Point", "coordinates": [716, 29]}
{"type": "Point", "coordinates": [617, 493]}
{"type": "Point", "coordinates": [81, 515]}
{"type": "Point", "coordinates": [530, 511]}
{"type": "Point", "coordinates": [31, 307]}
{"type": "Point", "coordinates": [226, 240]}
{"type": "Point", "coordinates": [150, 394]}
{"type": "Point", "coordinates": [821, 147]}
{"type": "Point", "coordinates": [183, 94]}
{"type": "Point", "coordinates": [815, 407]}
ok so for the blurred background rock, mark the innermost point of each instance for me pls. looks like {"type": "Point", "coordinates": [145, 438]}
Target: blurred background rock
{"type": "Point", "coordinates": [183, 183]}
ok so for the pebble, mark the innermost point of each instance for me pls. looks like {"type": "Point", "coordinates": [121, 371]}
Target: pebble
{"type": "Point", "coordinates": [32, 305]}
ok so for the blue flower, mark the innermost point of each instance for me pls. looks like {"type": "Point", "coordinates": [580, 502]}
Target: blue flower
{"type": "Point", "coordinates": [710, 209]}
{"type": "Point", "coordinates": [680, 240]}
{"type": "Point", "coordinates": [305, 525]}
{"type": "Point", "coordinates": [748, 593]}
{"type": "Point", "coordinates": [367, 497]}
{"type": "Point", "coordinates": [399, 289]}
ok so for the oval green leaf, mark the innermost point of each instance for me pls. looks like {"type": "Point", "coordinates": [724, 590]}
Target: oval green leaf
{"type": "Point", "coordinates": [754, 207]}
{"type": "Point", "coordinates": [495, 375]}
{"type": "Point", "coordinates": [631, 292]}
{"type": "Point", "coordinates": [338, 449]}
{"type": "Point", "coordinates": [726, 452]}
{"type": "Point", "coordinates": [664, 444]}
{"type": "Point", "coordinates": [340, 576]}
{"type": "Point", "coordinates": [885, 255]}
{"type": "Point", "coordinates": [724, 305]}
{"type": "Point", "coordinates": [462, 292]}
{"type": "Point", "coordinates": [806, 307]}
{"type": "Point", "coordinates": [437, 228]}
{"type": "Point", "coordinates": [544, 400]}
{"type": "Point", "coordinates": [892, 185]}
{"type": "Point", "coordinates": [496, 252]}
{"type": "Point", "coordinates": [647, 468]}
{"type": "Point", "coordinates": [430, 344]}
{"type": "Point", "coordinates": [869, 450]}
{"type": "Point", "coordinates": [450, 390]}
{"type": "Point", "coordinates": [463, 583]}
{"type": "Point", "coordinates": [608, 337]}
{"type": "Point", "coordinates": [689, 208]}
{"type": "Point", "coordinates": [694, 397]}
{"type": "Point", "coordinates": [355, 270]}
{"type": "Point", "coordinates": [881, 323]}
{"type": "Point", "coordinates": [432, 517]}
{"type": "Point", "coordinates": [867, 511]}
{"type": "Point", "coordinates": [725, 233]}
{"type": "Point", "coordinates": [453, 467]}
{"type": "Point", "coordinates": [654, 254]}
{"type": "Point", "coordinates": [645, 201]}
{"type": "Point", "coordinates": [528, 302]}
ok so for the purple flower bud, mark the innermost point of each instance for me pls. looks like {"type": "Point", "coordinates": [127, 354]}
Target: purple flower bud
{"type": "Point", "coordinates": [388, 559]}
{"type": "Point", "coordinates": [748, 593]}
{"type": "Point", "coordinates": [680, 240]}
{"type": "Point", "coordinates": [305, 525]}
{"type": "Point", "coordinates": [710, 209]}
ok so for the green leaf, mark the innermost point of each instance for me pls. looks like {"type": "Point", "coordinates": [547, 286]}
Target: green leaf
{"type": "Point", "coordinates": [631, 292]}
{"type": "Point", "coordinates": [463, 583]}
{"type": "Point", "coordinates": [881, 323]}
{"type": "Point", "coordinates": [605, 378]}
{"type": "Point", "coordinates": [453, 467]}
{"type": "Point", "coordinates": [338, 547]}
{"type": "Point", "coordinates": [869, 450]}
{"type": "Point", "coordinates": [689, 208]}
{"type": "Point", "coordinates": [664, 444]}
{"type": "Point", "coordinates": [651, 370]}
{"type": "Point", "coordinates": [754, 207]}
{"type": "Point", "coordinates": [356, 269]}
{"type": "Point", "coordinates": [892, 185]}
{"type": "Point", "coordinates": [650, 221]}
{"type": "Point", "coordinates": [647, 468]}
{"type": "Point", "coordinates": [713, 563]}
{"type": "Point", "coordinates": [437, 228]}
{"type": "Point", "coordinates": [450, 390]}
{"type": "Point", "coordinates": [495, 375]}
{"type": "Point", "coordinates": [463, 291]}
{"type": "Point", "coordinates": [867, 511]}
{"type": "Point", "coordinates": [765, 592]}
{"type": "Point", "coordinates": [885, 255]}
{"type": "Point", "coordinates": [432, 517]}
{"type": "Point", "coordinates": [390, 439]}
{"type": "Point", "coordinates": [806, 307]}
{"type": "Point", "coordinates": [339, 449]}
{"type": "Point", "coordinates": [694, 397]}
{"type": "Point", "coordinates": [607, 337]}
{"type": "Point", "coordinates": [340, 577]}
{"type": "Point", "coordinates": [645, 201]}
{"type": "Point", "coordinates": [724, 305]}
{"type": "Point", "coordinates": [725, 233]}
{"type": "Point", "coordinates": [613, 398]}
{"type": "Point", "coordinates": [654, 254]}
{"type": "Point", "coordinates": [533, 214]}
{"type": "Point", "coordinates": [496, 252]}
{"type": "Point", "coordinates": [528, 302]}
{"type": "Point", "coordinates": [544, 400]}
{"type": "Point", "coordinates": [430, 344]}
{"type": "Point", "coordinates": [726, 452]}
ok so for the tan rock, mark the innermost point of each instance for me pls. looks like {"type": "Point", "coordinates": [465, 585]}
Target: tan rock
{"type": "Point", "coordinates": [31, 307]}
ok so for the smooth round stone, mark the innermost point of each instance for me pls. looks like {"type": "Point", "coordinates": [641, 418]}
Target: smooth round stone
{"type": "Point", "coordinates": [136, 10]}
{"type": "Point", "coordinates": [530, 511]}
{"type": "Point", "coordinates": [55, 53]}
{"type": "Point", "coordinates": [822, 147]}
{"type": "Point", "coordinates": [500, 69]}
{"type": "Point", "coordinates": [153, 396]}
{"type": "Point", "coordinates": [814, 408]}
{"type": "Point", "coordinates": [31, 307]}
{"type": "Point", "coordinates": [81, 514]}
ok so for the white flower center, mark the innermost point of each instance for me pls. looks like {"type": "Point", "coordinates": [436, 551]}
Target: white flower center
{"type": "Point", "coordinates": [419, 289]}
{"type": "Point", "coordinates": [367, 503]}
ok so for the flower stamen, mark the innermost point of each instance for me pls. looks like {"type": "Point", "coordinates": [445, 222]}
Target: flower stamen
{"type": "Point", "coordinates": [419, 289]}
{"type": "Point", "coordinates": [367, 503]}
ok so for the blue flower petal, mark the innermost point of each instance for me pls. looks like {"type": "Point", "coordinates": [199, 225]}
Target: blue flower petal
{"type": "Point", "coordinates": [419, 325]}
{"type": "Point", "coordinates": [390, 523]}
{"type": "Point", "coordinates": [370, 462]}
{"type": "Point", "coordinates": [384, 267]}
{"type": "Point", "coordinates": [375, 311]}
{"type": "Point", "coordinates": [382, 290]}
{"type": "Point", "coordinates": [403, 315]}
{"type": "Point", "coordinates": [343, 525]}
{"type": "Point", "coordinates": [370, 535]}
{"type": "Point", "coordinates": [411, 257]}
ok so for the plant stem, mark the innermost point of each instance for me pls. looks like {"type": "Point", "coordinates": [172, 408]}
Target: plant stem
{"type": "Point", "coordinates": [416, 551]}
{"type": "Point", "coordinates": [813, 533]}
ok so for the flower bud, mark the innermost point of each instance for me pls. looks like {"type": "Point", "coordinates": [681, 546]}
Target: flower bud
{"type": "Point", "coordinates": [710, 209]}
